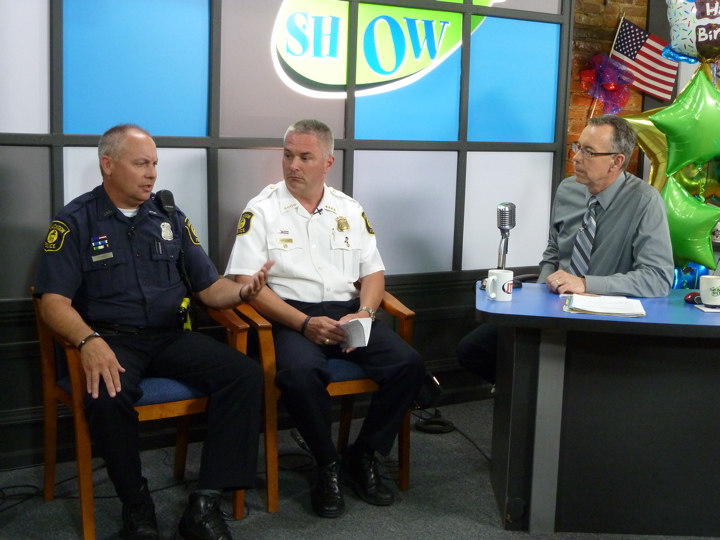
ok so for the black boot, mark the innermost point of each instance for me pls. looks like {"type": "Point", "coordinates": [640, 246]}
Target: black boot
{"type": "Point", "coordinates": [203, 520]}
{"type": "Point", "coordinates": [327, 497]}
{"type": "Point", "coordinates": [138, 517]}
{"type": "Point", "coordinates": [360, 472]}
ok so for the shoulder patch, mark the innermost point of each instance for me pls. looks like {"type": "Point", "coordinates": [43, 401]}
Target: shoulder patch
{"type": "Point", "coordinates": [367, 224]}
{"type": "Point", "coordinates": [191, 232]}
{"type": "Point", "coordinates": [56, 236]}
{"type": "Point", "coordinates": [245, 223]}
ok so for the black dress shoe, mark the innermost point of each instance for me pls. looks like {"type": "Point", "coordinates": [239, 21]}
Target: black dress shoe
{"type": "Point", "coordinates": [360, 472]}
{"type": "Point", "coordinates": [203, 520]}
{"type": "Point", "coordinates": [327, 498]}
{"type": "Point", "coordinates": [138, 517]}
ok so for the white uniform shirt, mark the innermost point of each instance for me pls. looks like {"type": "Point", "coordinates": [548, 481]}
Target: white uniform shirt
{"type": "Point", "coordinates": [318, 257]}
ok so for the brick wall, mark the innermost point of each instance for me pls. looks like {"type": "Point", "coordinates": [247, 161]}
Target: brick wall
{"type": "Point", "coordinates": [596, 23]}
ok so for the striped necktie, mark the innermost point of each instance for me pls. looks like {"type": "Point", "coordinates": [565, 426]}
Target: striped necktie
{"type": "Point", "coordinates": [580, 259]}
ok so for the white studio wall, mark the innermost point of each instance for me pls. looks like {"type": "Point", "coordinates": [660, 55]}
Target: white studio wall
{"type": "Point", "coordinates": [524, 179]}
{"type": "Point", "coordinates": [24, 74]}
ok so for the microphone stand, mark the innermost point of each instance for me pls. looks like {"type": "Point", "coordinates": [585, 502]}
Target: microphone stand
{"type": "Point", "coordinates": [503, 248]}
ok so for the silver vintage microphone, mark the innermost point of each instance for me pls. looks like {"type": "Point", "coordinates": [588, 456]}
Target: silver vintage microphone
{"type": "Point", "coordinates": [505, 222]}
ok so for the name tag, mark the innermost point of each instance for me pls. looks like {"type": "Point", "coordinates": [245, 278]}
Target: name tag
{"type": "Point", "coordinates": [104, 256]}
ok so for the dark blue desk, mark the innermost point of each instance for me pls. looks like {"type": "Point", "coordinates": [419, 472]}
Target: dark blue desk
{"type": "Point", "coordinates": [606, 424]}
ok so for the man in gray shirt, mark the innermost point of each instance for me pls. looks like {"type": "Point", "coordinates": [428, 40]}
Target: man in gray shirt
{"type": "Point", "coordinates": [631, 252]}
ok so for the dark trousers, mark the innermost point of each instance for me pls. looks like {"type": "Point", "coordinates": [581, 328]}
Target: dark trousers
{"type": "Point", "coordinates": [302, 376]}
{"type": "Point", "coordinates": [477, 351]}
{"type": "Point", "coordinates": [232, 380]}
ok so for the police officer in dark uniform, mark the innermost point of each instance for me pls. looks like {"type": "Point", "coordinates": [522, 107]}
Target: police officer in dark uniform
{"type": "Point", "coordinates": [110, 282]}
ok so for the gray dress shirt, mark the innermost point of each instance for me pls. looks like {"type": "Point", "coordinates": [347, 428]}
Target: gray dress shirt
{"type": "Point", "coordinates": [631, 255]}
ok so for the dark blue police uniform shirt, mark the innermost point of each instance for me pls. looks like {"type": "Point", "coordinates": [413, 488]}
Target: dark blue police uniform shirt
{"type": "Point", "coordinates": [122, 270]}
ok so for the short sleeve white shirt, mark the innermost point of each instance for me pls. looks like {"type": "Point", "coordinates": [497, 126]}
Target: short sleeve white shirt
{"type": "Point", "coordinates": [318, 257]}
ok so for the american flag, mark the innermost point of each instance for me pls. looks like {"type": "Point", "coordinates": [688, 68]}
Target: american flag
{"type": "Point", "coordinates": [641, 52]}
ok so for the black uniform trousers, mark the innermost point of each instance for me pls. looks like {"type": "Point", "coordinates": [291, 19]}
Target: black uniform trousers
{"type": "Point", "coordinates": [232, 380]}
{"type": "Point", "coordinates": [477, 351]}
{"type": "Point", "coordinates": [303, 376]}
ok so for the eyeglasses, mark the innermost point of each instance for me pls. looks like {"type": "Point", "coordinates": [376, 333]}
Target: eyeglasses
{"type": "Point", "coordinates": [588, 154]}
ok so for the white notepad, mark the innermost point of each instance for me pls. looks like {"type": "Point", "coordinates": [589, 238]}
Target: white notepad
{"type": "Point", "coordinates": [604, 305]}
{"type": "Point", "coordinates": [357, 331]}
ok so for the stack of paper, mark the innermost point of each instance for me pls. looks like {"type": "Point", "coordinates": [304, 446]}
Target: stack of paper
{"type": "Point", "coordinates": [357, 331]}
{"type": "Point", "coordinates": [604, 305]}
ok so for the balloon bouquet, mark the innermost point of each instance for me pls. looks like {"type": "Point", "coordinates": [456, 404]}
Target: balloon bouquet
{"type": "Point", "coordinates": [682, 141]}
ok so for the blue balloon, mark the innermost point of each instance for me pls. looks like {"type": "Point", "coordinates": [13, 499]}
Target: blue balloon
{"type": "Point", "coordinates": [672, 54]}
{"type": "Point", "coordinates": [687, 276]}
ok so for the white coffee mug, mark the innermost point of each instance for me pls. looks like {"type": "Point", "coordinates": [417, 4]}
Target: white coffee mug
{"type": "Point", "coordinates": [499, 285]}
{"type": "Point", "coordinates": [710, 290]}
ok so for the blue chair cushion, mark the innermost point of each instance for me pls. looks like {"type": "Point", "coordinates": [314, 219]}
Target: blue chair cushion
{"type": "Point", "coordinates": [344, 370]}
{"type": "Point", "coordinates": [155, 390]}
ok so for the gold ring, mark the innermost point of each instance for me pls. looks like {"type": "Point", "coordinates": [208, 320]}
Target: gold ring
{"type": "Point", "coordinates": [327, 341]}
{"type": "Point", "coordinates": [557, 281]}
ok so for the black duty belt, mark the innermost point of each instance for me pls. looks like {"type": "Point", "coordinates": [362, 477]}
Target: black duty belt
{"type": "Point", "coordinates": [126, 328]}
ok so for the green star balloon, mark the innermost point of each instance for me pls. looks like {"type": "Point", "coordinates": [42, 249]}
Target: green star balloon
{"type": "Point", "coordinates": [691, 223]}
{"type": "Point", "coordinates": [691, 124]}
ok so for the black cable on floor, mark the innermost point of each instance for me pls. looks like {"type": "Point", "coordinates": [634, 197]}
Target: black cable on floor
{"type": "Point", "coordinates": [6, 495]}
{"type": "Point", "coordinates": [433, 423]}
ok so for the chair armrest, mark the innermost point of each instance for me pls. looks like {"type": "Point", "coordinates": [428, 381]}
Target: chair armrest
{"type": "Point", "coordinates": [405, 315]}
{"type": "Point", "coordinates": [235, 328]}
{"type": "Point", "coordinates": [250, 315]}
{"type": "Point", "coordinates": [395, 307]}
{"type": "Point", "coordinates": [227, 318]}
{"type": "Point", "coordinates": [266, 345]}
{"type": "Point", "coordinates": [47, 339]}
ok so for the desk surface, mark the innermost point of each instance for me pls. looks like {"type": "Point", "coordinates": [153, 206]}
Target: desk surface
{"type": "Point", "coordinates": [533, 306]}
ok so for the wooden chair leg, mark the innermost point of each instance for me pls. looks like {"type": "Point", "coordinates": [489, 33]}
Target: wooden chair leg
{"type": "Point", "coordinates": [271, 451]}
{"type": "Point", "coordinates": [346, 408]}
{"type": "Point", "coordinates": [50, 447]}
{"type": "Point", "coordinates": [83, 452]}
{"type": "Point", "coordinates": [404, 454]}
{"type": "Point", "coordinates": [182, 438]}
{"type": "Point", "coordinates": [239, 504]}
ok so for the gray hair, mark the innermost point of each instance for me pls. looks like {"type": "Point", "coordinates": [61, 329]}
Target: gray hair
{"type": "Point", "coordinates": [624, 136]}
{"type": "Point", "coordinates": [112, 140]}
{"type": "Point", "coordinates": [320, 130]}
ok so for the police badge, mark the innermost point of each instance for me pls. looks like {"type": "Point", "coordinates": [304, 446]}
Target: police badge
{"type": "Point", "coordinates": [342, 223]}
{"type": "Point", "coordinates": [166, 231]}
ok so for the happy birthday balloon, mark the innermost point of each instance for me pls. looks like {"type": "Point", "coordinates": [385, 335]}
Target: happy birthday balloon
{"type": "Point", "coordinates": [694, 30]}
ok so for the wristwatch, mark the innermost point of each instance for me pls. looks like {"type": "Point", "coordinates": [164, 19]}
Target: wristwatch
{"type": "Point", "coordinates": [369, 310]}
{"type": "Point", "coordinates": [84, 341]}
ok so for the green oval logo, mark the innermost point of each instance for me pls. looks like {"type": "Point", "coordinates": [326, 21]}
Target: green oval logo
{"type": "Point", "coordinates": [396, 45]}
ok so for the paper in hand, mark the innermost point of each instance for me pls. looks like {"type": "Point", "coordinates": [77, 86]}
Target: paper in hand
{"type": "Point", "coordinates": [357, 331]}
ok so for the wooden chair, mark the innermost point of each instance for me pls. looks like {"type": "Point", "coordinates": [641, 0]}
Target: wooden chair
{"type": "Point", "coordinates": [63, 381]}
{"type": "Point", "coordinates": [348, 379]}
